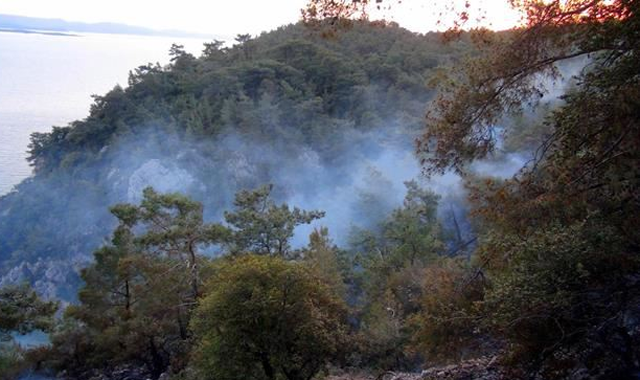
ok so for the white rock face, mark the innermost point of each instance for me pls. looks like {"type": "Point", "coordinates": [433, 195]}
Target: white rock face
{"type": "Point", "coordinates": [240, 167]}
{"type": "Point", "coordinates": [162, 178]}
{"type": "Point", "coordinates": [46, 275]}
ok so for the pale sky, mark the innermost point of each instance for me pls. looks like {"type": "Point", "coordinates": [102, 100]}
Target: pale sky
{"type": "Point", "coordinates": [230, 17]}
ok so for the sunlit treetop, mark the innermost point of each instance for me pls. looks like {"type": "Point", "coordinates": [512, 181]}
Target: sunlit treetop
{"type": "Point", "coordinates": [416, 15]}
{"type": "Point", "coordinates": [465, 14]}
{"type": "Point", "coordinates": [504, 74]}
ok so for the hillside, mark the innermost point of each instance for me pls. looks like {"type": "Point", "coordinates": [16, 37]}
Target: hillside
{"type": "Point", "coordinates": [259, 212]}
{"type": "Point", "coordinates": [320, 118]}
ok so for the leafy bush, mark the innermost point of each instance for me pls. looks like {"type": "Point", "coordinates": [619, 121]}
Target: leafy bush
{"type": "Point", "coordinates": [445, 329]}
{"type": "Point", "coordinates": [266, 318]}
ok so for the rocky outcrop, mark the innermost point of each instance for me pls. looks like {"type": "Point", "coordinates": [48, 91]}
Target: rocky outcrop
{"type": "Point", "coordinates": [52, 279]}
{"type": "Point", "coordinates": [120, 373]}
{"type": "Point", "coordinates": [485, 368]}
{"type": "Point", "coordinates": [476, 369]}
{"type": "Point", "coordinates": [161, 177]}
{"type": "Point", "coordinates": [383, 376]}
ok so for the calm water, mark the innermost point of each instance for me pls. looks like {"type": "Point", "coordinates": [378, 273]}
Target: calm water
{"type": "Point", "coordinates": [48, 80]}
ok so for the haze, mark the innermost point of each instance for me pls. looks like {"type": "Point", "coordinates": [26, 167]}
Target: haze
{"type": "Point", "coordinates": [228, 18]}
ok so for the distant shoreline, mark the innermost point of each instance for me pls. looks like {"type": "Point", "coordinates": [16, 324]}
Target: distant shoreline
{"type": "Point", "coordinates": [60, 27]}
{"type": "Point", "coordinates": [42, 32]}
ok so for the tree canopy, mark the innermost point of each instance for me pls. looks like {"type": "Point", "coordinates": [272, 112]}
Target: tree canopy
{"type": "Point", "coordinates": [557, 248]}
{"type": "Point", "coordinates": [266, 318]}
{"type": "Point", "coordinates": [551, 288]}
{"type": "Point", "coordinates": [22, 311]}
{"type": "Point", "coordinates": [261, 226]}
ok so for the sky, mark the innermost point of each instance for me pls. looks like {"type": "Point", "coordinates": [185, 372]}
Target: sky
{"type": "Point", "coordinates": [230, 17]}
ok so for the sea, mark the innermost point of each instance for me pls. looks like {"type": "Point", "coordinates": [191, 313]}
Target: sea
{"type": "Point", "coordinates": [48, 80]}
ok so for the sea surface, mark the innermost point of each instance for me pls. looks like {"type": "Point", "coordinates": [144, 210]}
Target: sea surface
{"type": "Point", "coordinates": [48, 80]}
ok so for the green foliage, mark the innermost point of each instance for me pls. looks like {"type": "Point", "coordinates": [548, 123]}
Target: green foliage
{"type": "Point", "coordinates": [10, 361]}
{"type": "Point", "coordinates": [384, 335]}
{"type": "Point", "coordinates": [556, 272]}
{"type": "Point", "coordinates": [73, 346]}
{"type": "Point", "coordinates": [139, 294]}
{"type": "Point", "coordinates": [559, 243]}
{"type": "Point", "coordinates": [446, 328]}
{"type": "Point", "coordinates": [393, 262]}
{"type": "Point", "coordinates": [22, 311]}
{"type": "Point", "coordinates": [296, 90]}
{"type": "Point", "coordinates": [560, 288]}
{"type": "Point", "coordinates": [526, 131]}
{"type": "Point", "coordinates": [327, 261]}
{"type": "Point", "coordinates": [413, 229]}
{"type": "Point", "coordinates": [409, 237]}
{"type": "Point", "coordinates": [266, 318]}
{"type": "Point", "coordinates": [173, 226]}
{"type": "Point", "coordinates": [311, 82]}
{"type": "Point", "coordinates": [262, 227]}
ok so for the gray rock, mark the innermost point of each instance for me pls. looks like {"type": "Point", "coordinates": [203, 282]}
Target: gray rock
{"type": "Point", "coordinates": [475, 369]}
{"type": "Point", "coordinates": [163, 178]}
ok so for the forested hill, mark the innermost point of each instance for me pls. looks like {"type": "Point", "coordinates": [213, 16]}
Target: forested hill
{"type": "Point", "coordinates": [321, 118]}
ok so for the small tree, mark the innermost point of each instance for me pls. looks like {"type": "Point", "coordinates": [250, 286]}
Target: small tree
{"type": "Point", "coordinates": [413, 230]}
{"type": "Point", "coordinates": [213, 50]}
{"type": "Point", "coordinates": [393, 263]}
{"type": "Point", "coordinates": [261, 226]}
{"type": "Point", "coordinates": [326, 260]}
{"type": "Point", "coordinates": [22, 311]}
{"type": "Point", "coordinates": [445, 329]}
{"type": "Point", "coordinates": [173, 226]}
{"type": "Point", "coordinates": [244, 41]}
{"type": "Point", "coordinates": [266, 318]}
{"type": "Point", "coordinates": [139, 294]}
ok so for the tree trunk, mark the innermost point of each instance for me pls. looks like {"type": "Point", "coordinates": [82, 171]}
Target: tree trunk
{"type": "Point", "coordinates": [157, 362]}
{"type": "Point", "coordinates": [266, 366]}
{"type": "Point", "coordinates": [193, 266]}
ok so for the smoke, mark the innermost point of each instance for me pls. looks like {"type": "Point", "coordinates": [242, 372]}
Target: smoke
{"type": "Point", "coordinates": [356, 176]}
{"type": "Point", "coordinates": [358, 182]}
{"type": "Point", "coordinates": [358, 185]}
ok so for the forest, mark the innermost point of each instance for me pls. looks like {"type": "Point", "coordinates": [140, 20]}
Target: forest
{"type": "Point", "coordinates": [343, 199]}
